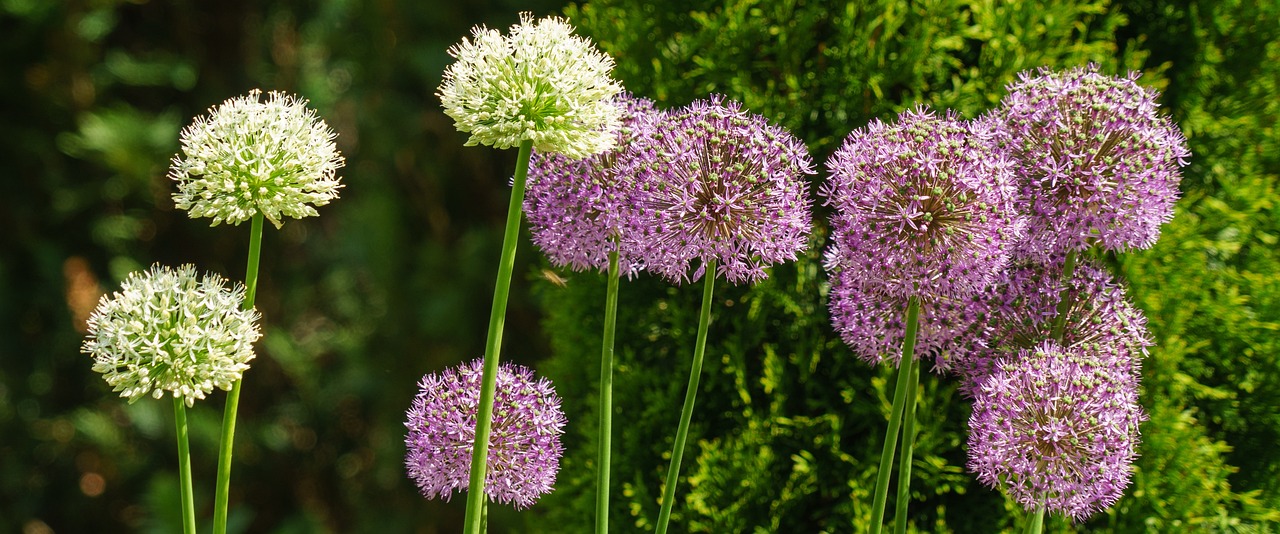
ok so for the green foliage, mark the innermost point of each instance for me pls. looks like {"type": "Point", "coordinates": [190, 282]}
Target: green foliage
{"type": "Point", "coordinates": [788, 423]}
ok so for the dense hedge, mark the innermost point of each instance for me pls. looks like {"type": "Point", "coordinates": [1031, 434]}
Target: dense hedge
{"type": "Point", "coordinates": [788, 425]}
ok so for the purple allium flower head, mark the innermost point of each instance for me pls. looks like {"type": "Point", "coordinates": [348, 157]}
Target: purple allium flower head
{"type": "Point", "coordinates": [1096, 160]}
{"type": "Point", "coordinates": [719, 183]}
{"type": "Point", "coordinates": [872, 323]}
{"type": "Point", "coordinates": [1018, 313]}
{"type": "Point", "coordinates": [1056, 427]}
{"type": "Point", "coordinates": [923, 207]}
{"type": "Point", "coordinates": [576, 208]}
{"type": "Point", "coordinates": [524, 447]}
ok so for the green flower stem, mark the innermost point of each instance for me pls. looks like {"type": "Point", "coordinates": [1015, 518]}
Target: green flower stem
{"type": "Point", "coordinates": [895, 416]}
{"type": "Point", "coordinates": [184, 467]}
{"type": "Point", "coordinates": [686, 413]}
{"type": "Point", "coordinates": [223, 489]}
{"type": "Point", "coordinates": [1035, 525]}
{"type": "Point", "coordinates": [493, 344]}
{"type": "Point", "coordinates": [1064, 298]}
{"type": "Point", "coordinates": [908, 450]}
{"type": "Point", "coordinates": [606, 398]}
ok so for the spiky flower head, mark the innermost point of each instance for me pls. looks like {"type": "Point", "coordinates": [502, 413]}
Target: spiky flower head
{"type": "Point", "coordinates": [540, 83]}
{"type": "Point", "coordinates": [1056, 427]}
{"type": "Point", "coordinates": [576, 208]}
{"type": "Point", "coordinates": [248, 157]}
{"type": "Point", "coordinates": [1018, 313]}
{"type": "Point", "coordinates": [1097, 160]}
{"type": "Point", "coordinates": [171, 330]}
{"type": "Point", "coordinates": [923, 206]}
{"type": "Point", "coordinates": [719, 183]}
{"type": "Point", "coordinates": [524, 446]}
{"type": "Point", "coordinates": [872, 323]}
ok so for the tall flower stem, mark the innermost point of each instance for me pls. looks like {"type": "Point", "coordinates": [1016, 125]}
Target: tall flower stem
{"type": "Point", "coordinates": [686, 413]}
{"type": "Point", "coordinates": [1035, 525]}
{"type": "Point", "coordinates": [1064, 297]}
{"type": "Point", "coordinates": [493, 344]}
{"type": "Point", "coordinates": [895, 416]}
{"type": "Point", "coordinates": [908, 450]}
{"type": "Point", "coordinates": [184, 466]}
{"type": "Point", "coordinates": [606, 398]}
{"type": "Point", "coordinates": [223, 489]}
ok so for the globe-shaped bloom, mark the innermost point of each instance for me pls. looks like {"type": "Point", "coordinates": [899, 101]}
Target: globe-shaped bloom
{"type": "Point", "coordinates": [1097, 162]}
{"type": "Point", "coordinates": [524, 446]}
{"type": "Point", "coordinates": [577, 207]}
{"type": "Point", "coordinates": [717, 182]}
{"type": "Point", "coordinates": [249, 157]}
{"type": "Point", "coordinates": [171, 330]}
{"type": "Point", "coordinates": [540, 83]}
{"type": "Point", "coordinates": [872, 323]}
{"type": "Point", "coordinates": [1058, 428]}
{"type": "Point", "coordinates": [924, 206]}
{"type": "Point", "coordinates": [1018, 312]}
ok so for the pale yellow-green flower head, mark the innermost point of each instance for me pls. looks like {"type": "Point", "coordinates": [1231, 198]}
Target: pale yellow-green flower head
{"type": "Point", "coordinates": [540, 83]}
{"type": "Point", "coordinates": [173, 331]}
{"type": "Point", "coordinates": [248, 156]}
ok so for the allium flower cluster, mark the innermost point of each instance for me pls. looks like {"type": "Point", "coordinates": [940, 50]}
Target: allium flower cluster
{"type": "Point", "coordinates": [718, 183]}
{"type": "Point", "coordinates": [1019, 311]}
{"type": "Point", "coordinates": [171, 330]}
{"type": "Point", "coordinates": [923, 207]}
{"type": "Point", "coordinates": [248, 157]}
{"type": "Point", "coordinates": [577, 208]}
{"type": "Point", "coordinates": [1056, 427]}
{"type": "Point", "coordinates": [1097, 160]}
{"type": "Point", "coordinates": [872, 324]}
{"type": "Point", "coordinates": [541, 83]}
{"type": "Point", "coordinates": [524, 446]}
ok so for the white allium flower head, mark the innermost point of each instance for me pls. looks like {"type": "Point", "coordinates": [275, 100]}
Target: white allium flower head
{"type": "Point", "coordinates": [172, 330]}
{"type": "Point", "coordinates": [248, 156]}
{"type": "Point", "coordinates": [540, 83]}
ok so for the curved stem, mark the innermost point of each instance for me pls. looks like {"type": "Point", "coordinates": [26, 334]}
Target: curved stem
{"type": "Point", "coordinates": [606, 398]}
{"type": "Point", "coordinates": [686, 413]}
{"type": "Point", "coordinates": [895, 416]}
{"type": "Point", "coordinates": [223, 488]}
{"type": "Point", "coordinates": [493, 344]}
{"type": "Point", "coordinates": [1064, 297]}
{"type": "Point", "coordinates": [184, 467]}
{"type": "Point", "coordinates": [908, 450]}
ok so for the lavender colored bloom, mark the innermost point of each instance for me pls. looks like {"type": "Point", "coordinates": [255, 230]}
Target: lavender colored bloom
{"type": "Point", "coordinates": [1098, 163]}
{"type": "Point", "coordinates": [576, 208]}
{"type": "Point", "coordinates": [923, 207]}
{"type": "Point", "coordinates": [1018, 313]}
{"type": "Point", "coordinates": [872, 323]}
{"type": "Point", "coordinates": [1056, 427]}
{"type": "Point", "coordinates": [718, 183]}
{"type": "Point", "coordinates": [524, 447]}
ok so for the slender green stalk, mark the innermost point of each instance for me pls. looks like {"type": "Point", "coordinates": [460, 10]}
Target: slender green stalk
{"type": "Point", "coordinates": [606, 398]}
{"type": "Point", "coordinates": [493, 344]}
{"type": "Point", "coordinates": [908, 450]}
{"type": "Point", "coordinates": [184, 467]}
{"type": "Point", "coordinates": [895, 416]}
{"type": "Point", "coordinates": [686, 413]}
{"type": "Point", "coordinates": [1035, 524]}
{"type": "Point", "coordinates": [223, 488]}
{"type": "Point", "coordinates": [1064, 297]}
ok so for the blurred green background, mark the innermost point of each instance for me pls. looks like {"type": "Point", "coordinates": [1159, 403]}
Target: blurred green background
{"type": "Point", "coordinates": [394, 279]}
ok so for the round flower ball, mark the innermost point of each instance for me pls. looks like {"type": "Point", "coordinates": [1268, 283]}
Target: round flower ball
{"type": "Point", "coordinates": [249, 157]}
{"type": "Point", "coordinates": [171, 330]}
{"type": "Point", "coordinates": [924, 206]}
{"type": "Point", "coordinates": [540, 83]}
{"type": "Point", "coordinates": [718, 183]}
{"type": "Point", "coordinates": [577, 207]}
{"type": "Point", "coordinates": [1018, 312]}
{"type": "Point", "coordinates": [1058, 428]}
{"type": "Point", "coordinates": [1097, 160]}
{"type": "Point", "coordinates": [524, 446]}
